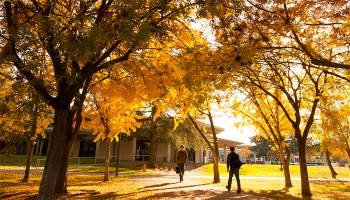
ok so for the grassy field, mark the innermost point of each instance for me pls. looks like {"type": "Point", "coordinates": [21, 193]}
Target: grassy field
{"type": "Point", "coordinates": [124, 168]}
{"type": "Point", "coordinates": [275, 189]}
{"type": "Point", "coordinates": [259, 170]}
{"type": "Point", "coordinates": [20, 161]}
{"type": "Point", "coordinates": [14, 161]}
{"type": "Point", "coordinates": [79, 187]}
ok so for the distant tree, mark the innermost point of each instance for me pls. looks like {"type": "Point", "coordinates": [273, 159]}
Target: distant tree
{"type": "Point", "coordinates": [245, 152]}
{"type": "Point", "coordinates": [262, 145]}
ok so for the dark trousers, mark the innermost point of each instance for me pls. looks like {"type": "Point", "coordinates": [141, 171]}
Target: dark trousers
{"type": "Point", "coordinates": [236, 172]}
{"type": "Point", "coordinates": [181, 170]}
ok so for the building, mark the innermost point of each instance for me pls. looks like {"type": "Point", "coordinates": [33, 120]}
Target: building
{"type": "Point", "coordinates": [135, 147]}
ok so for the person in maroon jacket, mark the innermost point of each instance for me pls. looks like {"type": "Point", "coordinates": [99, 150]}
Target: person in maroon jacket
{"type": "Point", "coordinates": [181, 160]}
{"type": "Point", "coordinates": [233, 165]}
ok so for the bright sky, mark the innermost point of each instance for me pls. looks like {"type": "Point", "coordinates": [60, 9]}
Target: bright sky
{"type": "Point", "coordinates": [226, 122]}
{"type": "Point", "coordinates": [231, 132]}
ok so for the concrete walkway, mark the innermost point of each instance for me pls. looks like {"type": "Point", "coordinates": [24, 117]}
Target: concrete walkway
{"type": "Point", "coordinates": [167, 186]}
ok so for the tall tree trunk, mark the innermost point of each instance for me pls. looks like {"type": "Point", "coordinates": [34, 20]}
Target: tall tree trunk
{"type": "Point", "coordinates": [216, 165]}
{"type": "Point", "coordinates": [216, 148]}
{"type": "Point", "coordinates": [285, 164]}
{"type": "Point", "coordinates": [29, 158]}
{"type": "Point", "coordinates": [328, 155]}
{"type": "Point", "coordinates": [216, 169]}
{"type": "Point", "coordinates": [48, 181]}
{"type": "Point", "coordinates": [108, 146]}
{"type": "Point", "coordinates": [305, 186]}
{"type": "Point", "coordinates": [31, 144]}
{"type": "Point", "coordinates": [68, 138]}
{"type": "Point", "coordinates": [287, 179]}
{"type": "Point", "coordinates": [153, 145]}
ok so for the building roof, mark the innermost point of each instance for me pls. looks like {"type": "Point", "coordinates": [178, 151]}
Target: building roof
{"type": "Point", "coordinates": [228, 142]}
{"type": "Point", "coordinates": [221, 141]}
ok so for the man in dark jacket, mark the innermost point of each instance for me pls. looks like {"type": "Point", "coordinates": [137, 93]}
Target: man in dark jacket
{"type": "Point", "coordinates": [233, 165]}
{"type": "Point", "coordinates": [181, 160]}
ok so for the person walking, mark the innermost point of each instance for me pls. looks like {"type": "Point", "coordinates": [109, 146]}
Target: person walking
{"type": "Point", "coordinates": [233, 165]}
{"type": "Point", "coordinates": [181, 160]}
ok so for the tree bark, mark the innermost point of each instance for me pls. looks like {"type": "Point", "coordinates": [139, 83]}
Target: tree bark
{"type": "Point", "coordinates": [67, 138]}
{"type": "Point", "coordinates": [216, 146]}
{"type": "Point", "coordinates": [48, 181]}
{"type": "Point", "coordinates": [29, 157]}
{"type": "Point", "coordinates": [285, 164]}
{"type": "Point", "coordinates": [153, 145]}
{"type": "Point", "coordinates": [61, 178]}
{"type": "Point", "coordinates": [328, 155]}
{"type": "Point", "coordinates": [108, 145]}
{"type": "Point", "coordinates": [305, 186]}
{"type": "Point", "coordinates": [216, 169]}
{"type": "Point", "coordinates": [31, 144]}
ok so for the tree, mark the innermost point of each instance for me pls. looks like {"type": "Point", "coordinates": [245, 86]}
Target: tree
{"type": "Point", "coordinates": [335, 135]}
{"type": "Point", "coordinates": [196, 94]}
{"type": "Point", "coordinates": [14, 121]}
{"type": "Point", "coordinates": [301, 87]}
{"type": "Point", "coordinates": [245, 152]}
{"type": "Point", "coordinates": [79, 39]}
{"type": "Point", "coordinates": [22, 109]}
{"type": "Point", "coordinates": [110, 114]}
{"type": "Point", "coordinates": [264, 113]}
{"type": "Point", "coordinates": [38, 112]}
{"type": "Point", "coordinates": [261, 145]}
{"type": "Point", "coordinates": [214, 146]}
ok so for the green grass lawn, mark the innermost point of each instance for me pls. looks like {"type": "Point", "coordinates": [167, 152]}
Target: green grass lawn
{"type": "Point", "coordinates": [274, 189]}
{"type": "Point", "coordinates": [124, 168]}
{"type": "Point", "coordinates": [20, 161]}
{"type": "Point", "coordinates": [260, 170]}
{"type": "Point", "coordinates": [13, 161]}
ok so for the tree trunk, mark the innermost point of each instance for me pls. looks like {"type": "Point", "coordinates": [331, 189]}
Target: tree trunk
{"type": "Point", "coordinates": [328, 155]}
{"type": "Point", "coordinates": [29, 157]}
{"type": "Point", "coordinates": [285, 164]}
{"type": "Point", "coordinates": [305, 186]}
{"type": "Point", "coordinates": [31, 145]}
{"type": "Point", "coordinates": [61, 178]}
{"type": "Point", "coordinates": [216, 148]}
{"type": "Point", "coordinates": [348, 151]}
{"type": "Point", "coordinates": [153, 145]}
{"type": "Point", "coordinates": [48, 181]}
{"type": "Point", "coordinates": [216, 170]}
{"type": "Point", "coordinates": [216, 159]}
{"type": "Point", "coordinates": [287, 179]}
{"type": "Point", "coordinates": [108, 145]}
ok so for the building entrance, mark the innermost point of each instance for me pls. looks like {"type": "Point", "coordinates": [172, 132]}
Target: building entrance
{"type": "Point", "coordinates": [142, 150]}
{"type": "Point", "coordinates": [191, 154]}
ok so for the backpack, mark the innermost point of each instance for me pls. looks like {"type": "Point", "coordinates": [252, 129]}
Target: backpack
{"type": "Point", "coordinates": [235, 162]}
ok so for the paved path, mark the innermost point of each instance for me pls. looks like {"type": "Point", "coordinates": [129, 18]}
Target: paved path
{"type": "Point", "coordinates": [167, 186]}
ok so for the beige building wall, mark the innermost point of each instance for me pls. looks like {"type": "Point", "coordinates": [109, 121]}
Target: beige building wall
{"type": "Point", "coordinates": [172, 153]}
{"type": "Point", "coordinates": [102, 153]}
{"type": "Point", "coordinates": [76, 148]}
{"type": "Point", "coordinates": [125, 150]}
{"type": "Point", "coordinates": [162, 149]}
